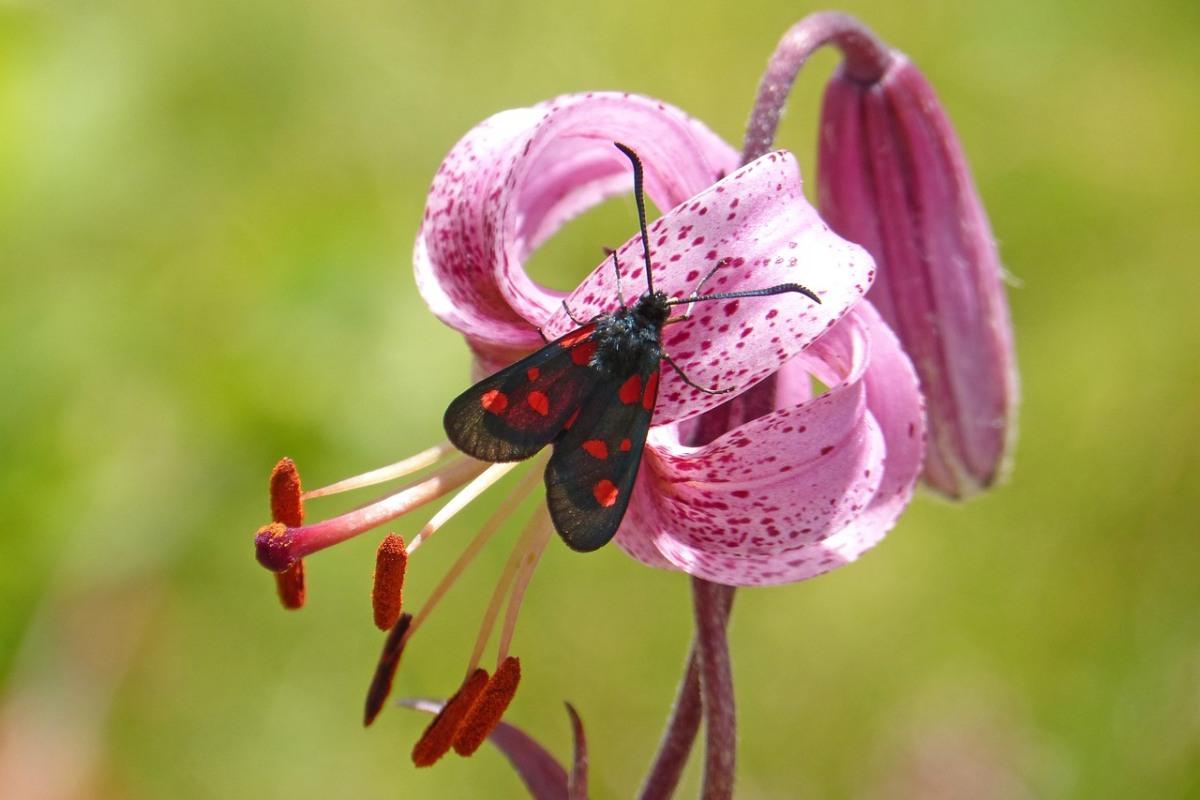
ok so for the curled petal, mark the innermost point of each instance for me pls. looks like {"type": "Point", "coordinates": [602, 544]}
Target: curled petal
{"type": "Point", "coordinates": [798, 491]}
{"type": "Point", "coordinates": [758, 225]}
{"type": "Point", "coordinates": [517, 177]}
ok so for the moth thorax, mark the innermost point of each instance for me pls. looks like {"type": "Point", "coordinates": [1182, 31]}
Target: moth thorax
{"type": "Point", "coordinates": [626, 342]}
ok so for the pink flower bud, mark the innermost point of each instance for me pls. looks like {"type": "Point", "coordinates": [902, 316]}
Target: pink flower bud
{"type": "Point", "coordinates": [894, 179]}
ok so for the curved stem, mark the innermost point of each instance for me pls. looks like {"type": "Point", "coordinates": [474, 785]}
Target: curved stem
{"type": "Point", "coordinates": [683, 725]}
{"type": "Point", "coordinates": [866, 59]}
{"type": "Point", "coordinates": [679, 736]}
{"type": "Point", "coordinates": [716, 688]}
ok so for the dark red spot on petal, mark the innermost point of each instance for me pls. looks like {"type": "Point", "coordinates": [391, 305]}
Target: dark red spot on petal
{"type": "Point", "coordinates": [651, 392]}
{"type": "Point", "coordinates": [539, 402]}
{"type": "Point", "coordinates": [631, 389]}
{"type": "Point", "coordinates": [605, 492]}
{"type": "Point", "coordinates": [596, 448]}
{"type": "Point", "coordinates": [494, 401]}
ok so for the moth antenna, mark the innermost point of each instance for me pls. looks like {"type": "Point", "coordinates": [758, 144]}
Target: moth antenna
{"type": "Point", "coordinates": [641, 208]}
{"type": "Point", "coordinates": [780, 289]}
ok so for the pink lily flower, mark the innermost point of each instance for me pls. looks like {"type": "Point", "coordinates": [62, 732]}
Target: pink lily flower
{"type": "Point", "coordinates": [793, 493]}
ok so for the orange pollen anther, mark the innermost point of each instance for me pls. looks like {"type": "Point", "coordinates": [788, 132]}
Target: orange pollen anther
{"type": "Point", "coordinates": [285, 494]}
{"type": "Point", "coordinates": [387, 593]}
{"type": "Point", "coordinates": [485, 714]}
{"type": "Point", "coordinates": [437, 739]}
{"type": "Point", "coordinates": [385, 670]}
{"type": "Point", "coordinates": [290, 586]}
{"type": "Point", "coordinates": [287, 508]}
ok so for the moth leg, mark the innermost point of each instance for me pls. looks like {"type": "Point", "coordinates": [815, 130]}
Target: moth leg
{"type": "Point", "coordinates": [691, 299]}
{"type": "Point", "coordinates": [617, 269]}
{"type": "Point", "coordinates": [567, 309]}
{"type": "Point", "coordinates": [689, 382]}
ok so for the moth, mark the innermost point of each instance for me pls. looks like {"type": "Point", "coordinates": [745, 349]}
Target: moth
{"type": "Point", "coordinates": [591, 394]}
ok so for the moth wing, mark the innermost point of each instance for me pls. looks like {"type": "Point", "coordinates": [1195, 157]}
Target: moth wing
{"type": "Point", "coordinates": [590, 476]}
{"type": "Point", "coordinates": [514, 413]}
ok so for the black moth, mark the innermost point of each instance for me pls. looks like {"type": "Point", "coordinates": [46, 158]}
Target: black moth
{"type": "Point", "coordinates": [591, 393]}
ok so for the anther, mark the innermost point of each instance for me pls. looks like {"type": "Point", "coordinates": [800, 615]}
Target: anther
{"type": "Point", "coordinates": [291, 588]}
{"type": "Point", "coordinates": [437, 739]}
{"type": "Point", "coordinates": [485, 714]}
{"type": "Point", "coordinates": [287, 508]}
{"type": "Point", "coordinates": [285, 494]}
{"type": "Point", "coordinates": [385, 670]}
{"type": "Point", "coordinates": [387, 593]}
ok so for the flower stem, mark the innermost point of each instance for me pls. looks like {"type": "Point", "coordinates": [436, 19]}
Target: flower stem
{"type": "Point", "coordinates": [865, 59]}
{"type": "Point", "coordinates": [681, 730]}
{"type": "Point", "coordinates": [679, 736]}
{"type": "Point", "coordinates": [710, 603]}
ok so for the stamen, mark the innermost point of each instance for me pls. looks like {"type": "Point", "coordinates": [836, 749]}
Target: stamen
{"type": "Point", "coordinates": [287, 508]}
{"type": "Point", "coordinates": [286, 505]}
{"type": "Point", "coordinates": [529, 561]}
{"type": "Point", "coordinates": [493, 523]}
{"type": "Point", "coordinates": [385, 670]}
{"type": "Point", "coordinates": [290, 586]}
{"type": "Point", "coordinates": [387, 591]}
{"type": "Point", "coordinates": [435, 742]}
{"type": "Point", "coordinates": [426, 458]}
{"type": "Point", "coordinates": [515, 561]}
{"type": "Point", "coordinates": [485, 714]}
{"type": "Point", "coordinates": [457, 503]}
{"type": "Point", "coordinates": [277, 550]}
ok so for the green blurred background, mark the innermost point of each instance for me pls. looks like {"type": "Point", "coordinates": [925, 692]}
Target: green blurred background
{"type": "Point", "coordinates": [206, 219]}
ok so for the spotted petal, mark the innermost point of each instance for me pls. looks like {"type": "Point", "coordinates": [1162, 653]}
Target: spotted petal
{"type": "Point", "coordinates": [757, 222]}
{"type": "Point", "coordinates": [799, 491]}
{"type": "Point", "coordinates": [515, 179]}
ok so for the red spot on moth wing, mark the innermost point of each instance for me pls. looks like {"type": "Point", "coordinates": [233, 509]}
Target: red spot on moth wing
{"type": "Point", "coordinates": [605, 492]}
{"type": "Point", "coordinates": [575, 337]}
{"type": "Point", "coordinates": [571, 420]}
{"type": "Point", "coordinates": [631, 389]}
{"type": "Point", "coordinates": [596, 448]}
{"type": "Point", "coordinates": [532, 373]}
{"type": "Point", "coordinates": [582, 354]}
{"type": "Point", "coordinates": [625, 445]}
{"type": "Point", "coordinates": [539, 403]}
{"type": "Point", "coordinates": [651, 394]}
{"type": "Point", "coordinates": [494, 401]}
